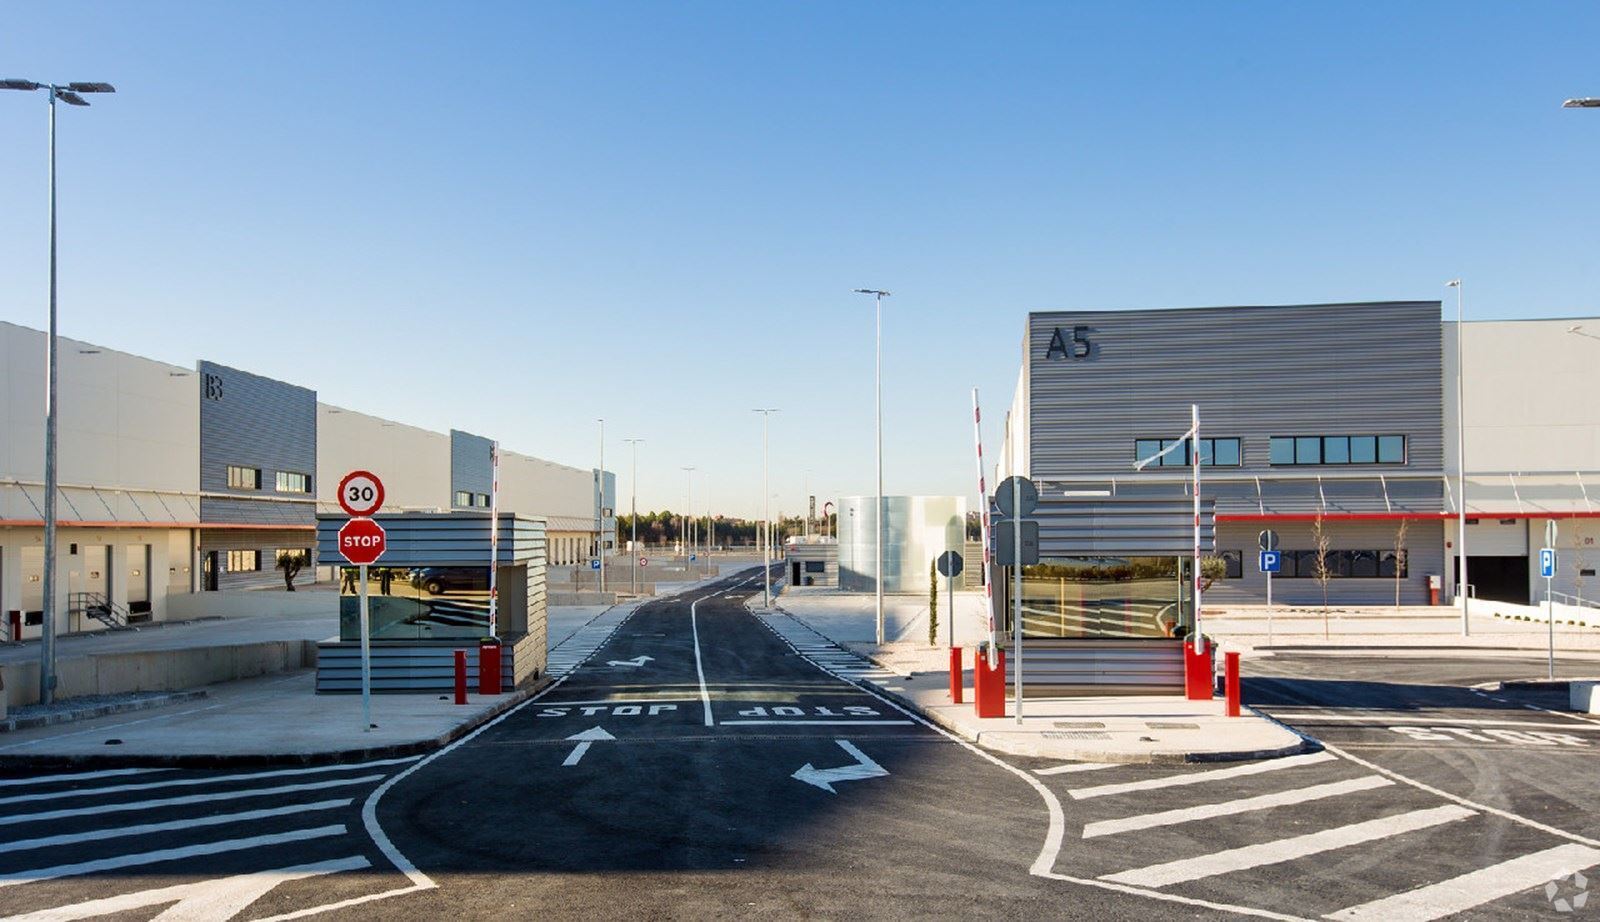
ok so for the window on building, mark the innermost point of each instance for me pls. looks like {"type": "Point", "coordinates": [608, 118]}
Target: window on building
{"type": "Point", "coordinates": [1235, 564]}
{"type": "Point", "coordinates": [1344, 564]}
{"type": "Point", "coordinates": [244, 478]}
{"type": "Point", "coordinates": [481, 500]}
{"type": "Point", "coordinates": [1213, 452]}
{"type": "Point", "coordinates": [291, 482]}
{"type": "Point", "coordinates": [463, 498]}
{"type": "Point", "coordinates": [244, 561]}
{"type": "Point", "coordinates": [1337, 449]}
{"type": "Point", "coordinates": [816, 566]}
{"type": "Point", "coordinates": [285, 552]}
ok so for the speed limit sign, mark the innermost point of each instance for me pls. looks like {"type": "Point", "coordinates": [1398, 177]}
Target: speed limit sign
{"type": "Point", "coordinates": [361, 494]}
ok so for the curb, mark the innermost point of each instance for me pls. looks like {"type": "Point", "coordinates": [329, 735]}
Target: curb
{"type": "Point", "coordinates": [243, 760]}
{"type": "Point", "coordinates": [33, 722]}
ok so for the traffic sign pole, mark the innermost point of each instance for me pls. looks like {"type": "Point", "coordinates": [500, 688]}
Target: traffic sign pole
{"type": "Point", "coordinates": [366, 659]}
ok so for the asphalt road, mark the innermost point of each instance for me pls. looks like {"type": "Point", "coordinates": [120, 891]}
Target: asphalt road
{"type": "Point", "coordinates": [695, 761]}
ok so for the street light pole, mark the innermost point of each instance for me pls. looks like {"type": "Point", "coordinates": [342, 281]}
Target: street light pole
{"type": "Point", "coordinates": [878, 296]}
{"type": "Point", "coordinates": [68, 94]}
{"type": "Point", "coordinates": [633, 513]}
{"type": "Point", "coordinates": [766, 491]}
{"type": "Point", "coordinates": [600, 508]}
{"type": "Point", "coordinates": [1461, 462]}
{"type": "Point", "coordinates": [688, 526]}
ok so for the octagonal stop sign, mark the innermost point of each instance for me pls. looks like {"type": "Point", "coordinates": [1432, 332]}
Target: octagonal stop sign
{"type": "Point", "coordinates": [361, 541]}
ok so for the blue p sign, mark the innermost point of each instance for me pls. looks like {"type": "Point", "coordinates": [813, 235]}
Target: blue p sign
{"type": "Point", "coordinates": [1547, 562]}
{"type": "Point", "coordinates": [594, 564]}
{"type": "Point", "coordinates": [1271, 561]}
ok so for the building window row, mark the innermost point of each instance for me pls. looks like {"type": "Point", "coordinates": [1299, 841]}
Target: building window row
{"type": "Point", "coordinates": [1213, 452]}
{"type": "Point", "coordinates": [1337, 449]}
{"type": "Point", "coordinates": [472, 500]}
{"type": "Point", "coordinates": [244, 478]}
{"type": "Point", "coordinates": [293, 482]}
{"type": "Point", "coordinates": [1343, 564]}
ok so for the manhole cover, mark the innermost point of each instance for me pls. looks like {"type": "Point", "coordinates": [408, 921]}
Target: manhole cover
{"type": "Point", "coordinates": [1169, 725]}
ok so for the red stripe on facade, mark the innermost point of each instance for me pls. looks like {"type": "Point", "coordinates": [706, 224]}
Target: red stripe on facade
{"type": "Point", "coordinates": [1397, 516]}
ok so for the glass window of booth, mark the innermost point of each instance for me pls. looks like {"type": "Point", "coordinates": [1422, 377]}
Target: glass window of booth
{"type": "Point", "coordinates": [1111, 598]}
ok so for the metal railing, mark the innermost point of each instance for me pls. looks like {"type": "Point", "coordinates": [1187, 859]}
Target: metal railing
{"type": "Point", "coordinates": [1576, 600]}
{"type": "Point", "coordinates": [96, 606]}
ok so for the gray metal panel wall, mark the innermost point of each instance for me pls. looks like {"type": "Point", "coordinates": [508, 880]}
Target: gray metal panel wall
{"type": "Point", "coordinates": [1256, 372]}
{"type": "Point", "coordinates": [443, 539]}
{"type": "Point", "coordinates": [471, 464]}
{"type": "Point", "coordinates": [1147, 521]}
{"type": "Point", "coordinates": [252, 421]}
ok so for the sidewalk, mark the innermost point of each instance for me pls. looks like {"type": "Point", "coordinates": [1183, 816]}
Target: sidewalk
{"type": "Point", "coordinates": [1257, 628]}
{"type": "Point", "coordinates": [1134, 728]}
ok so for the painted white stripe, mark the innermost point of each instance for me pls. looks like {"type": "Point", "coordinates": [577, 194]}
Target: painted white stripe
{"type": "Point", "coordinates": [184, 801]}
{"type": "Point", "coordinates": [1216, 774]}
{"type": "Point", "coordinates": [191, 782]}
{"type": "Point", "coordinates": [1469, 890]}
{"type": "Point", "coordinates": [819, 723]}
{"type": "Point", "coordinates": [12, 878]}
{"type": "Point", "coordinates": [1445, 721]}
{"type": "Point", "coordinates": [79, 776]}
{"type": "Point", "coordinates": [200, 895]}
{"type": "Point", "coordinates": [1234, 807]}
{"type": "Point", "coordinates": [1281, 850]}
{"type": "Point", "coordinates": [219, 819]}
{"type": "Point", "coordinates": [1072, 767]}
{"type": "Point", "coordinates": [609, 701]}
{"type": "Point", "coordinates": [705, 696]}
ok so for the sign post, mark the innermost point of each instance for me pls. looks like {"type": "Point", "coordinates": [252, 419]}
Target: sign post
{"type": "Point", "coordinates": [950, 566]}
{"type": "Point", "coordinates": [1016, 498]}
{"type": "Point", "coordinates": [362, 542]}
{"type": "Point", "coordinates": [1271, 562]}
{"type": "Point", "coordinates": [1547, 569]}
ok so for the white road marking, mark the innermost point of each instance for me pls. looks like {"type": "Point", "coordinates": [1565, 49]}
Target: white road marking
{"type": "Point", "coordinates": [222, 898]}
{"type": "Point", "coordinates": [1234, 807]}
{"type": "Point", "coordinates": [635, 662]}
{"type": "Point", "coordinates": [79, 776]}
{"type": "Point", "coordinates": [1216, 774]}
{"type": "Point", "coordinates": [826, 778]}
{"type": "Point", "coordinates": [607, 702]}
{"type": "Point", "coordinates": [1072, 767]}
{"type": "Point", "coordinates": [1387, 719]}
{"type": "Point", "coordinates": [1459, 894]}
{"type": "Point", "coordinates": [584, 740]}
{"type": "Point", "coordinates": [186, 800]}
{"type": "Point", "coordinates": [12, 878]}
{"type": "Point", "coordinates": [1281, 850]}
{"type": "Point", "coordinates": [820, 723]}
{"type": "Point", "coordinates": [219, 819]}
{"type": "Point", "coordinates": [191, 782]}
{"type": "Point", "coordinates": [705, 696]}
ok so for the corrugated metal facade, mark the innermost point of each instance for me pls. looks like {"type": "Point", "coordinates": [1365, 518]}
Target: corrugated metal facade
{"type": "Point", "coordinates": [471, 464]}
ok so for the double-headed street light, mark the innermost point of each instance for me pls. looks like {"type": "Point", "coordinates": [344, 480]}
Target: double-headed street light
{"type": "Point", "coordinates": [72, 95]}
{"type": "Point", "coordinates": [633, 512]}
{"type": "Point", "coordinates": [1585, 102]}
{"type": "Point", "coordinates": [878, 296]}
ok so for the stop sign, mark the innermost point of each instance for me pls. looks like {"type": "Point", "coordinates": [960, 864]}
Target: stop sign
{"type": "Point", "coordinates": [361, 541]}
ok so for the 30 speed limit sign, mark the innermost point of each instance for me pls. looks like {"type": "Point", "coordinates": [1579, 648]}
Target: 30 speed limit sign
{"type": "Point", "coordinates": [361, 494]}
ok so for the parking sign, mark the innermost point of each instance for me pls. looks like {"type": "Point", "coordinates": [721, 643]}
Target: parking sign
{"type": "Point", "coordinates": [1547, 562]}
{"type": "Point", "coordinates": [1271, 561]}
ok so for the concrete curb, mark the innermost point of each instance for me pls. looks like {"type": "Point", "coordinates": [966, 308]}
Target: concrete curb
{"type": "Point", "coordinates": [1035, 744]}
{"type": "Point", "coordinates": [243, 760]}
{"type": "Point", "coordinates": [33, 722]}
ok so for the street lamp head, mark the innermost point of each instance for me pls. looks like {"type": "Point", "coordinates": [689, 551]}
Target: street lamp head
{"type": "Point", "coordinates": [1584, 102]}
{"type": "Point", "coordinates": [872, 291]}
{"type": "Point", "coordinates": [1453, 283]}
{"type": "Point", "coordinates": [71, 98]}
{"type": "Point", "coordinates": [13, 83]}
{"type": "Point", "coordinates": [91, 88]}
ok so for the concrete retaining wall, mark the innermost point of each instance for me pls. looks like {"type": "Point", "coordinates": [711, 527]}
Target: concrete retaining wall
{"type": "Point", "coordinates": [243, 603]}
{"type": "Point", "coordinates": [558, 597]}
{"type": "Point", "coordinates": [157, 670]}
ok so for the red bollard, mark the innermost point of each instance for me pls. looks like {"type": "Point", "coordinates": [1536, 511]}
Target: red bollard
{"type": "Point", "coordinates": [989, 685]}
{"type": "Point", "coordinates": [489, 669]}
{"type": "Point", "coordinates": [955, 675]}
{"type": "Point", "coordinates": [1199, 672]}
{"type": "Point", "coordinates": [461, 677]}
{"type": "Point", "coordinates": [1231, 682]}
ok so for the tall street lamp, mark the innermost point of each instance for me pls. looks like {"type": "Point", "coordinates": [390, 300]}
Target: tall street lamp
{"type": "Point", "coordinates": [1461, 462]}
{"type": "Point", "coordinates": [878, 296]}
{"type": "Point", "coordinates": [688, 525]}
{"type": "Point", "coordinates": [71, 94]}
{"type": "Point", "coordinates": [600, 507]}
{"type": "Point", "coordinates": [766, 516]}
{"type": "Point", "coordinates": [633, 512]}
{"type": "Point", "coordinates": [1586, 102]}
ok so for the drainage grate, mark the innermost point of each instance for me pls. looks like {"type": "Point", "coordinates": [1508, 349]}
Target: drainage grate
{"type": "Point", "coordinates": [1079, 725]}
{"type": "Point", "coordinates": [1168, 725]}
{"type": "Point", "coordinates": [1075, 735]}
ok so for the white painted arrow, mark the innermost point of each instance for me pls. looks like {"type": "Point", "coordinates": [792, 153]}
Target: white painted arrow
{"type": "Point", "coordinates": [636, 661]}
{"type": "Point", "coordinates": [585, 739]}
{"type": "Point", "coordinates": [826, 778]}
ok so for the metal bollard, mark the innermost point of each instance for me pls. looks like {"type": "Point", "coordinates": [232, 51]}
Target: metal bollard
{"type": "Point", "coordinates": [1231, 682]}
{"type": "Point", "coordinates": [955, 675]}
{"type": "Point", "coordinates": [461, 677]}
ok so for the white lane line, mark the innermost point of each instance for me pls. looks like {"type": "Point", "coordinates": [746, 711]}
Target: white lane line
{"type": "Point", "coordinates": [606, 701]}
{"type": "Point", "coordinates": [191, 782]}
{"type": "Point", "coordinates": [820, 723]}
{"type": "Point", "coordinates": [1072, 767]}
{"type": "Point", "coordinates": [80, 776]}
{"type": "Point", "coordinates": [1281, 850]}
{"type": "Point", "coordinates": [12, 878]}
{"type": "Point", "coordinates": [1444, 721]}
{"type": "Point", "coordinates": [1459, 894]}
{"type": "Point", "coordinates": [221, 898]}
{"type": "Point", "coordinates": [1216, 774]}
{"type": "Point", "coordinates": [1234, 807]}
{"type": "Point", "coordinates": [705, 696]}
{"type": "Point", "coordinates": [135, 805]}
{"type": "Point", "coordinates": [218, 819]}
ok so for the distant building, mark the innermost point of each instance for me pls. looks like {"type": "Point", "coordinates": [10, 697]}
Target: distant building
{"type": "Point", "coordinates": [917, 529]}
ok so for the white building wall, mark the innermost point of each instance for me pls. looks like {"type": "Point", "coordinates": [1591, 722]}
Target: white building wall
{"type": "Point", "coordinates": [413, 463]}
{"type": "Point", "coordinates": [534, 486]}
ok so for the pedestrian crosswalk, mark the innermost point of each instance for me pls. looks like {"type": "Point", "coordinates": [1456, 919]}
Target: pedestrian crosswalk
{"type": "Point", "coordinates": [1317, 835]}
{"type": "Point", "coordinates": [215, 840]}
{"type": "Point", "coordinates": [832, 657]}
{"type": "Point", "coordinates": [576, 650]}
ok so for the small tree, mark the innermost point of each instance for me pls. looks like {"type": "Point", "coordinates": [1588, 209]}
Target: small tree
{"type": "Point", "coordinates": [1319, 538]}
{"type": "Point", "coordinates": [1579, 557]}
{"type": "Point", "coordinates": [1399, 556]}
{"type": "Point", "coordinates": [933, 603]}
{"type": "Point", "coordinates": [291, 565]}
{"type": "Point", "coordinates": [1211, 570]}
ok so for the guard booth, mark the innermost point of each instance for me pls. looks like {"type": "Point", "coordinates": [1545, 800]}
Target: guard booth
{"type": "Point", "coordinates": [429, 597]}
{"type": "Point", "coordinates": [1106, 608]}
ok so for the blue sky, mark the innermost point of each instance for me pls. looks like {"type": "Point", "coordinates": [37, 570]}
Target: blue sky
{"type": "Point", "coordinates": [515, 218]}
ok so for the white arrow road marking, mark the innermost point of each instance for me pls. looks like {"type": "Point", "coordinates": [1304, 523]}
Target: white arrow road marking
{"type": "Point", "coordinates": [585, 739]}
{"type": "Point", "coordinates": [207, 899]}
{"type": "Point", "coordinates": [826, 778]}
{"type": "Point", "coordinates": [636, 661]}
